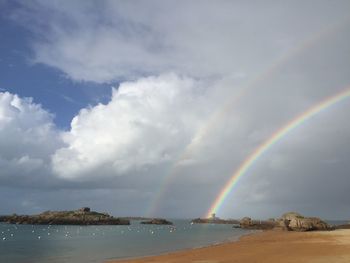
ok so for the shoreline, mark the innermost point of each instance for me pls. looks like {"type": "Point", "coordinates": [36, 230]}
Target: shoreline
{"type": "Point", "coordinates": [264, 246]}
{"type": "Point", "coordinates": [218, 243]}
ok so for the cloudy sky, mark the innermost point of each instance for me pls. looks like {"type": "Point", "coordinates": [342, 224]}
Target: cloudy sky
{"type": "Point", "coordinates": [148, 107]}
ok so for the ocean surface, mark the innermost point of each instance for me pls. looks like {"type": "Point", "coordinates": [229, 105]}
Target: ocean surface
{"type": "Point", "coordinates": [68, 244]}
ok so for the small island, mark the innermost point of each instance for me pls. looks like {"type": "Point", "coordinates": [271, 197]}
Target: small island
{"type": "Point", "coordinates": [157, 221]}
{"type": "Point", "coordinates": [83, 216]}
{"type": "Point", "coordinates": [214, 220]}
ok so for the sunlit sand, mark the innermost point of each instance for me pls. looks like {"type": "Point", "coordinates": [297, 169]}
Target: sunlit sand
{"type": "Point", "coordinates": [269, 247]}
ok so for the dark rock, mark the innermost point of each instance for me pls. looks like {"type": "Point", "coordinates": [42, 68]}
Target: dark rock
{"type": "Point", "coordinates": [214, 221]}
{"type": "Point", "coordinates": [248, 223]}
{"type": "Point", "coordinates": [157, 221]}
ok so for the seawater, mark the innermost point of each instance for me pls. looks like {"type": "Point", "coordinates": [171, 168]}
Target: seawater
{"type": "Point", "coordinates": [68, 244]}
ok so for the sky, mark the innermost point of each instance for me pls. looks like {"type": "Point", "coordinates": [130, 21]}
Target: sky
{"type": "Point", "coordinates": [146, 108]}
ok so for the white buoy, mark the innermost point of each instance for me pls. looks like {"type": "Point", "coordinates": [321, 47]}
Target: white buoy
{"type": "Point", "coordinates": [39, 237]}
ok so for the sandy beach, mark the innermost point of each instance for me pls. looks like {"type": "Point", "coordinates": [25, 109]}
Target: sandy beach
{"type": "Point", "coordinates": [268, 246]}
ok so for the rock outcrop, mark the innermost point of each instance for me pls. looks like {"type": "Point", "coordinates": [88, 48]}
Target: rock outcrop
{"type": "Point", "coordinates": [82, 216]}
{"type": "Point", "coordinates": [248, 223]}
{"type": "Point", "coordinates": [293, 221]}
{"type": "Point", "coordinates": [157, 221]}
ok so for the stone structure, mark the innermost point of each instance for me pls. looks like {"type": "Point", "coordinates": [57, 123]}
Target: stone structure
{"type": "Point", "coordinates": [85, 209]}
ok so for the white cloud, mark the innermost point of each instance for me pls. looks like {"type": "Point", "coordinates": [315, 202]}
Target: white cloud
{"type": "Point", "coordinates": [27, 138]}
{"type": "Point", "coordinates": [146, 123]}
{"type": "Point", "coordinates": [20, 116]}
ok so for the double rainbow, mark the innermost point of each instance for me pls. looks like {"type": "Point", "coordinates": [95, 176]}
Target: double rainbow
{"type": "Point", "coordinates": [219, 115]}
{"type": "Point", "coordinates": [266, 145]}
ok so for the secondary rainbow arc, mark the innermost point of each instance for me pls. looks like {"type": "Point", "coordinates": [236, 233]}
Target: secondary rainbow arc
{"type": "Point", "coordinates": [217, 116]}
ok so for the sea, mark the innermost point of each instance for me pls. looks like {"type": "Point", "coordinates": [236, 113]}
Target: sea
{"type": "Point", "coordinates": [78, 244]}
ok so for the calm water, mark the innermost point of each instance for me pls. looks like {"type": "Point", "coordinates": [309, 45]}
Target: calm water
{"type": "Point", "coordinates": [27, 243]}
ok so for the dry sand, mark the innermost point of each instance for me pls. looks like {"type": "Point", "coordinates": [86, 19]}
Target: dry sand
{"type": "Point", "coordinates": [270, 247]}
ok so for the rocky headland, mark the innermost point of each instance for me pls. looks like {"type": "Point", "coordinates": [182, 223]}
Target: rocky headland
{"type": "Point", "coordinates": [81, 216]}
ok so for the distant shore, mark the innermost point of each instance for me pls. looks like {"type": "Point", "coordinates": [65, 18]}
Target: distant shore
{"type": "Point", "coordinates": [270, 246]}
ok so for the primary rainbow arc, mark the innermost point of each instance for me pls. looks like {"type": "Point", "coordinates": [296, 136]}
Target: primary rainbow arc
{"type": "Point", "coordinates": [277, 136]}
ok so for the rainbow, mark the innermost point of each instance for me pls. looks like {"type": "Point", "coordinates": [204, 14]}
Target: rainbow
{"type": "Point", "coordinates": [219, 115]}
{"type": "Point", "coordinates": [266, 145]}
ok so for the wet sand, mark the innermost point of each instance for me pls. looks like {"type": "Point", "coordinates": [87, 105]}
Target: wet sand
{"type": "Point", "coordinates": [268, 246]}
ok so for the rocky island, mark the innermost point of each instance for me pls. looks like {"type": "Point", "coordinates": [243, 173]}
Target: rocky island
{"type": "Point", "coordinates": [214, 220]}
{"type": "Point", "coordinates": [83, 216]}
{"type": "Point", "coordinates": [157, 221]}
